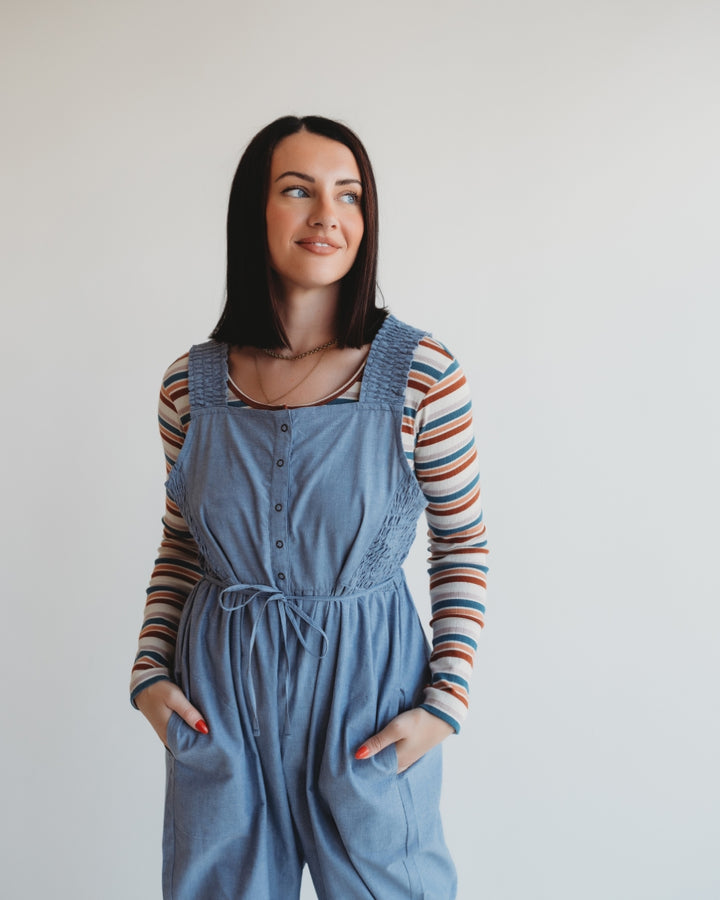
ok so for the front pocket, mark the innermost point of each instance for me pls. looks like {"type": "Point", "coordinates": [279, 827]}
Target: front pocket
{"type": "Point", "coordinates": [170, 739]}
{"type": "Point", "coordinates": [207, 782]}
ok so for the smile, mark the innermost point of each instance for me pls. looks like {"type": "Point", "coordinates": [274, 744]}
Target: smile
{"type": "Point", "coordinates": [317, 246]}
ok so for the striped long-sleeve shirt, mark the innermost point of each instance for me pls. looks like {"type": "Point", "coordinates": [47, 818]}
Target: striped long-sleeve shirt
{"type": "Point", "coordinates": [438, 441]}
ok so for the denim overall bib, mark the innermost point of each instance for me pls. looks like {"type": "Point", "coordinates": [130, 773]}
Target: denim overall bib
{"type": "Point", "coordinates": [299, 642]}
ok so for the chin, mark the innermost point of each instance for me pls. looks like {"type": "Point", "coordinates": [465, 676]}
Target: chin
{"type": "Point", "coordinates": [309, 283]}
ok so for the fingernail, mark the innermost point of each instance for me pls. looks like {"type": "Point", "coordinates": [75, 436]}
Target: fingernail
{"type": "Point", "coordinates": [201, 726]}
{"type": "Point", "coordinates": [362, 753]}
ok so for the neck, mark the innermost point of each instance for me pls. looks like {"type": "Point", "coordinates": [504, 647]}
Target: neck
{"type": "Point", "coordinates": [309, 317]}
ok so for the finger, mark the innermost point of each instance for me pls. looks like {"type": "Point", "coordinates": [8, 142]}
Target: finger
{"type": "Point", "coordinates": [192, 716]}
{"type": "Point", "coordinates": [388, 735]}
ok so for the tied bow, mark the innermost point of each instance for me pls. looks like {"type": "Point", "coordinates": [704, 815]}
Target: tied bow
{"type": "Point", "coordinates": [289, 611]}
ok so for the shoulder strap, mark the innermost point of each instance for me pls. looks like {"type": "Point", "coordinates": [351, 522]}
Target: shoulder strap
{"type": "Point", "coordinates": [388, 364]}
{"type": "Point", "coordinates": [207, 375]}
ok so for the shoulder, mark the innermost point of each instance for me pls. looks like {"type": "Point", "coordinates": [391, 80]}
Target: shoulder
{"type": "Point", "coordinates": [201, 372]}
{"type": "Point", "coordinates": [394, 331]}
{"type": "Point", "coordinates": [174, 403]}
{"type": "Point", "coordinates": [430, 363]}
{"type": "Point", "coordinates": [176, 376]}
{"type": "Point", "coordinates": [432, 358]}
{"type": "Point", "coordinates": [429, 354]}
{"type": "Point", "coordinates": [177, 372]}
{"type": "Point", "coordinates": [198, 352]}
{"type": "Point", "coordinates": [433, 369]}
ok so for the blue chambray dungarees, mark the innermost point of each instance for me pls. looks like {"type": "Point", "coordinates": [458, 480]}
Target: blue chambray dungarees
{"type": "Point", "coordinates": [300, 641]}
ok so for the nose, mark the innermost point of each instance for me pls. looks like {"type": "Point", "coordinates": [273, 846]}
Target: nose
{"type": "Point", "coordinates": [323, 213]}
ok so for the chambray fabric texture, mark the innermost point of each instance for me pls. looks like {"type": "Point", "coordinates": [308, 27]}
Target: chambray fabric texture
{"type": "Point", "coordinates": [299, 642]}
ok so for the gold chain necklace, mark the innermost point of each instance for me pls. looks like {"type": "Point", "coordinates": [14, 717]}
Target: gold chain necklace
{"type": "Point", "coordinates": [274, 400]}
{"type": "Point", "coordinates": [275, 355]}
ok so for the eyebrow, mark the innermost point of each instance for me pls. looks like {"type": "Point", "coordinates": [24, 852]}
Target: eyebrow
{"type": "Point", "coordinates": [309, 178]}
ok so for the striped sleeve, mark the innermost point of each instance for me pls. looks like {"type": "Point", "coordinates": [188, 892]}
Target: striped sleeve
{"type": "Point", "coordinates": [439, 443]}
{"type": "Point", "coordinates": [176, 568]}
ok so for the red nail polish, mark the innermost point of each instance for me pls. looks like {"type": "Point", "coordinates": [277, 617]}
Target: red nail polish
{"type": "Point", "coordinates": [362, 753]}
{"type": "Point", "coordinates": [201, 726]}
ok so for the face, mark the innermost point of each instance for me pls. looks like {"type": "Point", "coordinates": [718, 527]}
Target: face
{"type": "Point", "coordinates": [313, 212]}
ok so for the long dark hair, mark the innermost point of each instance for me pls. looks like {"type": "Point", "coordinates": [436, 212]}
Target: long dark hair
{"type": "Point", "coordinates": [251, 313]}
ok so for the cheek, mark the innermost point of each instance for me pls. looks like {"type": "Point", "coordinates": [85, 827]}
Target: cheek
{"type": "Point", "coordinates": [357, 229]}
{"type": "Point", "coordinates": [279, 227]}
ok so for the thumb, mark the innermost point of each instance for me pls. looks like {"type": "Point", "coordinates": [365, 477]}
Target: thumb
{"type": "Point", "coordinates": [377, 742]}
{"type": "Point", "coordinates": [191, 715]}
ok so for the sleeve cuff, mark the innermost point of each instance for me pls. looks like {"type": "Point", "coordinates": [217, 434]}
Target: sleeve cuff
{"type": "Point", "coordinates": [442, 715]}
{"type": "Point", "coordinates": [141, 687]}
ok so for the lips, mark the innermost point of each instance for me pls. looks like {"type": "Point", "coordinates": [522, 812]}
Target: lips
{"type": "Point", "coordinates": [318, 244]}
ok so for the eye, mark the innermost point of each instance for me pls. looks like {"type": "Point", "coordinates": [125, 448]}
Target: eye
{"type": "Point", "coordinates": [298, 192]}
{"type": "Point", "coordinates": [350, 197]}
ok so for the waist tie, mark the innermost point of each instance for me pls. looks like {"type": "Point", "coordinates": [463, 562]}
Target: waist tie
{"type": "Point", "coordinates": [289, 611]}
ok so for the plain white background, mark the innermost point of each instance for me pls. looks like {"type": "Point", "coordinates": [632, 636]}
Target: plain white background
{"type": "Point", "coordinates": [548, 176]}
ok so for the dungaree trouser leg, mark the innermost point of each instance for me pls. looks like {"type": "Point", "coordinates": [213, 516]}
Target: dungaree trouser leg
{"type": "Point", "coordinates": [300, 641]}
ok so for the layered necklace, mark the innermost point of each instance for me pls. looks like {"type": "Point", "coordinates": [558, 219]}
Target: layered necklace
{"type": "Point", "coordinates": [321, 349]}
{"type": "Point", "coordinates": [317, 349]}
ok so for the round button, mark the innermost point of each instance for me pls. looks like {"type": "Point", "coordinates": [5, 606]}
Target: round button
{"type": "Point", "coordinates": [281, 576]}
{"type": "Point", "coordinates": [278, 507]}
{"type": "Point", "coordinates": [283, 427]}
{"type": "Point", "coordinates": [279, 544]}
{"type": "Point", "coordinates": [281, 463]}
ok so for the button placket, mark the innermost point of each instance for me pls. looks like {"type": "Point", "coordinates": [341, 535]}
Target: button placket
{"type": "Point", "coordinates": [278, 498]}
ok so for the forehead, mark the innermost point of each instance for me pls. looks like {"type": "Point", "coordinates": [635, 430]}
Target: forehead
{"type": "Point", "coordinates": [314, 155]}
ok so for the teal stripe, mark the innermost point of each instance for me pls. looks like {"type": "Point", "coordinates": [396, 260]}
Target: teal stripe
{"type": "Point", "coordinates": [436, 463]}
{"type": "Point", "coordinates": [146, 684]}
{"type": "Point", "coordinates": [448, 417]}
{"type": "Point", "coordinates": [168, 427]}
{"type": "Point", "coordinates": [410, 412]}
{"type": "Point", "coordinates": [449, 498]}
{"type": "Point", "coordinates": [437, 374]}
{"type": "Point", "coordinates": [454, 604]}
{"type": "Point", "coordinates": [180, 563]}
{"type": "Point", "coordinates": [453, 679]}
{"type": "Point", "coordinates": [151, 654]}
{"type": "Point", "coordinates": [159, 620]}
{"type": "Point", "coordinates": [441, 715]}
{"type": "Point", "coordinates": [455, 638]}
{"type": "Point", "coordinates": [441, 532]}
{"type": "Point", "coordinates": [428, 370]}
{"type": "Point", "coordinates": [180, 376]}
{"type": "Point", "coordinates": [176, 532]}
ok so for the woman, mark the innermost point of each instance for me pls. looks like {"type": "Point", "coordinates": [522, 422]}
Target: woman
{"type": "Point", "coordinates": [281, 660]}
